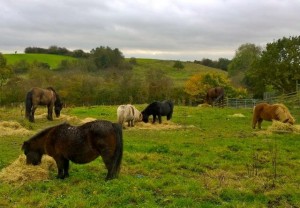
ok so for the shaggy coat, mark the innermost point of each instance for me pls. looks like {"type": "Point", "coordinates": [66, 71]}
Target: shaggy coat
{"type": "Point", "coordinates": [265, 111]}
{"type": "Point", "coordinates": [159, 109]}
{"type": "Point", "coordinates": [128, 113]}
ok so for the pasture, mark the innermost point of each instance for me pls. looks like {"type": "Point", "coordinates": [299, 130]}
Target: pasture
{"type": "Point", "coordinates": [203, 157]}
{"type": "Point", "coordinates": [51, 59]}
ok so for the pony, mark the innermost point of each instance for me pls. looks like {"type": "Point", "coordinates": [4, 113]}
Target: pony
{"type": "Point", "coordinates": [164, 108]}
{"type": "Point", "coordinates": [267, 112]}
{"type": "Point", "coordinates": [128, 113]}
{"type": "Point", "coordinates": [39, 96]}
{"type": "Point", "coordinates": [215, 95]}
{"type": "Point", "coordinates": [79, 144]}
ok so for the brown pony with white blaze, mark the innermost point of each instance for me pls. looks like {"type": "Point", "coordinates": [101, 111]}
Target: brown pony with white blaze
{"type": "Point", "coordinates": [267, 112]}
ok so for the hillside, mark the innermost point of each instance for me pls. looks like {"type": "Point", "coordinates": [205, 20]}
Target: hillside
{"type": "Point", "coordinates": [142, 66]}
{"type": "Point", "coordinates": [82, 83]}
{"type": "Point", "coordinates": [52, 60]}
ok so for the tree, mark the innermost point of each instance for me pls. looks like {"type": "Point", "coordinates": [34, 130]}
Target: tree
{"type": "Point", "coordinates": [278, 67]}
{"type": "Point", "coordinates": [198, 84]}
{"type": "Point", "coordinates": [223, 63]}
{"type": "Point", "coordinates": [244, 57]}
{"type": "Point", "coordinates": [178, 65]}
{"type": "Point", "coordinates": [106, 57]}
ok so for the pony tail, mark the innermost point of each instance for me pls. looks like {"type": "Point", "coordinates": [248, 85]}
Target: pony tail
{"type": "Point", "coordinates": [117, 158]}
{"type": "Point", "coordinates": [28, 104]}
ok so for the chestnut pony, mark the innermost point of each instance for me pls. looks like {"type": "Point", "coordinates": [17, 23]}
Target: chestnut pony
{"type": "Point", "coordinates": [39, 96]}
{"type": "Point", "coordinates": [265, 111]}
{"type": "Point", "coordinates": [80, 144]}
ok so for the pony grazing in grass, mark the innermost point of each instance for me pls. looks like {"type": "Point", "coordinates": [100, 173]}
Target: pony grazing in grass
{"type": "Point", "coordinates": [265, 111]}
{"type": "Point", "coordinates": [39, 96]}
{"type": "Point", "coordinates": [80, 144]}
{"type": "Point", "coordinates": [215, 96]}
{"type": "Point", "coordinates": [164, 108]}
{"type": "Point", "coordinates": [128, 113]}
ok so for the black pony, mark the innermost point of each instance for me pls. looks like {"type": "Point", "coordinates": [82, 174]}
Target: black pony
{"type": "Point", "coordinates": [215, 96]}
{"type": "Point", "coordinates": [39, 96]}
{"type": "Point", "coordinates": [164, 108]}
{"type": "Point", "coordinates": [81, 144]}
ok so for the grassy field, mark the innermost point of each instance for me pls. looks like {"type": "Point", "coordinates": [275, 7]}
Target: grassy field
{"type": "Point", "coordinates": [205, 157]}
{"type": "Point", "coordinates": [52, 60]}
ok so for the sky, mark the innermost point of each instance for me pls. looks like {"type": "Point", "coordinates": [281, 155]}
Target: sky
{"type": "Point", "coordinates": [185, 30]}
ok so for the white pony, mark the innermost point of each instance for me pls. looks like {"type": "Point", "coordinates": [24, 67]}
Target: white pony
{"type": "Point", "coordinates": [128, 113]}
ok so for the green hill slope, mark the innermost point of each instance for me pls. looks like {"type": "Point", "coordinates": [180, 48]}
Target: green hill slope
{"type": "Point", "coordinates": [179, 75]}
{"type": "Point", "coordinates": [141, 67]}
{"type": "Point", "coordinates": [52, 60]}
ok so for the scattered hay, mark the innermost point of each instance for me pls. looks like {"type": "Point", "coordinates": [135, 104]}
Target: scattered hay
{"type": "Point", "coordinates": [237, 115]}
{"type": "Point", "coordinates": [69, 118]}
{"type": "Point", "coordinates": [8, 128]}
{"type": "Point", "coordinates": [19, 173]}
{"type": "Point", "coordinates": [279, 127]}
{"type": "Point", "coordinates": [156, 126]}
{"type": "Point", "coordinates": [204, 105]}
{"type": "Point", "coordinates": [88, 119]}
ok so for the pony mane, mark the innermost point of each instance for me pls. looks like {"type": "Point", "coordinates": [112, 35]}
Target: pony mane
{"type": "Point", "coordinates": [57, 101]}
{"type": "Point", "coordinates": [46, 131]}
{"type": "Point", "coordinates": [52, 89]}
{"type": "Point", "coordinates": [281, 105]}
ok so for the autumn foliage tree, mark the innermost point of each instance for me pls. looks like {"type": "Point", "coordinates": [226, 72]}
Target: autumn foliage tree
{"type": "Point", "coordinates": [198, 85]}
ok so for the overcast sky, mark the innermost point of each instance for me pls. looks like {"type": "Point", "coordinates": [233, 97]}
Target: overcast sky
{"type": "Point", "coordinates": [161, 29]}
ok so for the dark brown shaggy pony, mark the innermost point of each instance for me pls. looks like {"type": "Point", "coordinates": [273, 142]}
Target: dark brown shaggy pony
{"type": "Point", "coordinates": [80, 144]}
{"type": "Point", "coordinates": [265, 111]}
{"type": "Point", "coordinates": [39, 96]}
{"type": "Point", "coordinates": [215, 96]}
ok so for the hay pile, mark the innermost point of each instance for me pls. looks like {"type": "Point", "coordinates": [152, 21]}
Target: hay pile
{"type": "Point", "coordinates": [237, 115]}
{"type": "Point", "coordinates": [88, 119]}
{"type": "Point", "coordinates": [12, 128]}
{"type": "Point", "coordinates": [165, 125]}
{"type": "Point", "coordinates": [279, 127]}
{"type": "Point", "coordinates": [204, 105]}
{"type": "Point", "coordinates": [19, 173]}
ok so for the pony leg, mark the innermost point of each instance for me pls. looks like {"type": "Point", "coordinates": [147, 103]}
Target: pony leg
{"type": "Point", "coordinates": [66, 168]}
{"type": "Point", "coordinates": [31, 114]}
{"type": "Point", "coordinates": [50, 112]}
{"type": "Point", "coordinates": [154, 118]}
{"type": "Point", "coordinates": [259, 123]}
{"type": "Point", "coordinates": [159, 119]}
{"type": "Point", "coordinates": [108, 161]}
{"type": "Point", "coordinates": [62, 167]}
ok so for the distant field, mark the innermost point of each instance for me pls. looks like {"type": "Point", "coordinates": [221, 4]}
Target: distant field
{"type": "Point", "coordinates": [179, 76]}
{"type": "Point", "coordinates": [52, 60]}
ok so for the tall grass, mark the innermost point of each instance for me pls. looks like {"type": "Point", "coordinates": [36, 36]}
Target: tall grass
{"type": "Point", "coordinates": [207, 162]}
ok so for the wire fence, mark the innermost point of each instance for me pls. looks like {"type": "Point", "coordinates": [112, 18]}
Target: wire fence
{"type": "Point", "coordinates": [291, 100]}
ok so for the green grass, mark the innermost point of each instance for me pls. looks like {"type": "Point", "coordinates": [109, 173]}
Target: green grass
{"type": "Point", "coordinates": [52, 60]}
{"type": "Point", "coordinates": [212, 160]}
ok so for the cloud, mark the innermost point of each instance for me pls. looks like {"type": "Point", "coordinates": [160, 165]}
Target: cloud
{"type": "Point", "coordinates": [168, 29]}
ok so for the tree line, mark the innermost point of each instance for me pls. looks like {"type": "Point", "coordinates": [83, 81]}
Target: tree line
{"type": "Point", "coordinates": [273, 68]}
